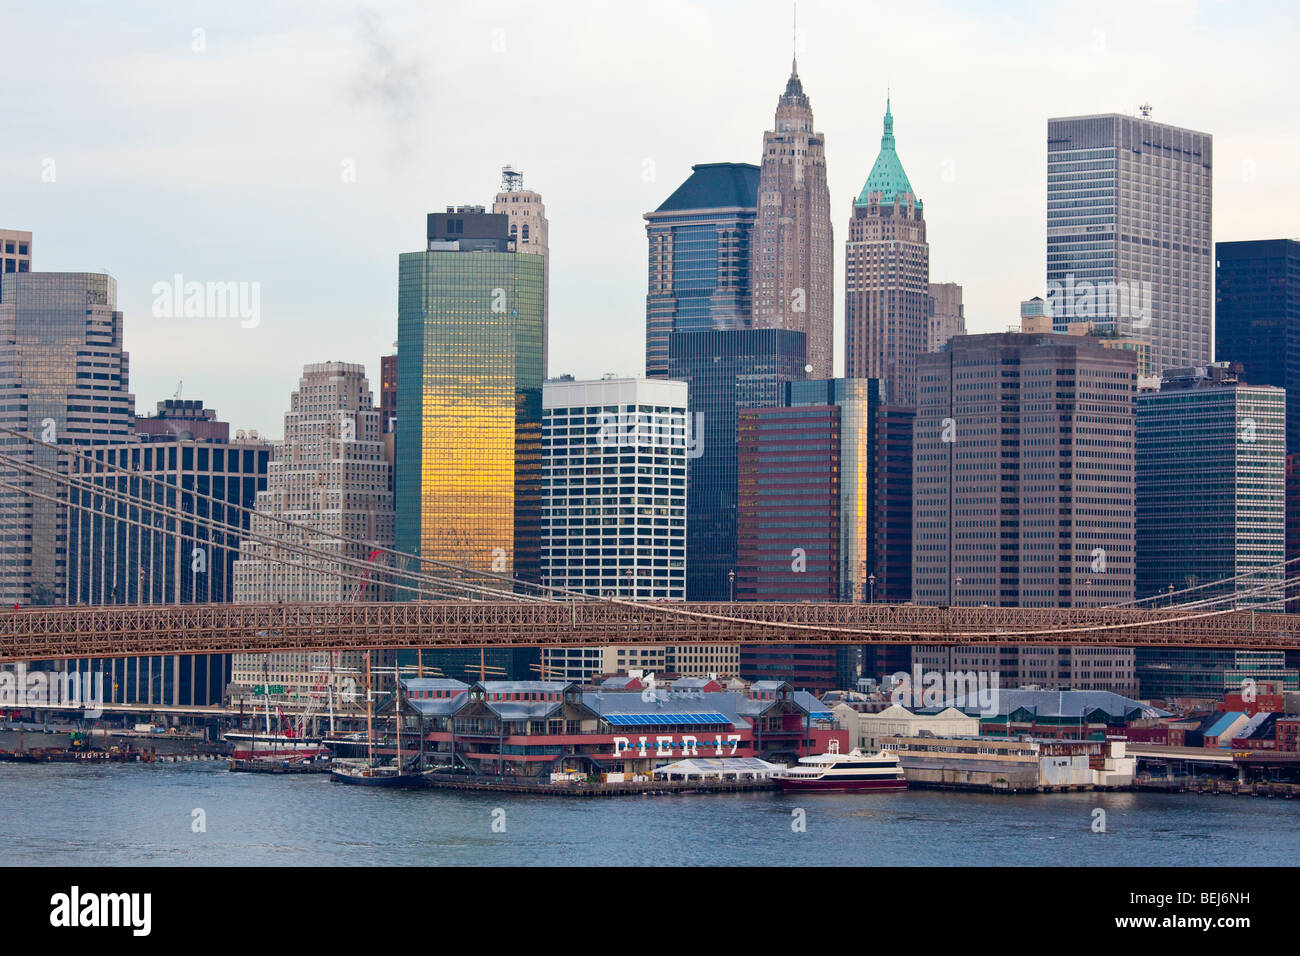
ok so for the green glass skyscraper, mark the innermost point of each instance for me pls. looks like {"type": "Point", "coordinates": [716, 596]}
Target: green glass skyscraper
{"type": "Point", "coordinates": [469, 396]}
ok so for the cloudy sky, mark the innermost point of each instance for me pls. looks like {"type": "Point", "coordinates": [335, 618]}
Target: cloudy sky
{"type": "Point", "coordinates": [299, 145]}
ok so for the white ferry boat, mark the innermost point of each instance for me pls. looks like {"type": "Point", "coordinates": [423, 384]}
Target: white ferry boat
{"type": "Point", "coordinates": [834, 771]}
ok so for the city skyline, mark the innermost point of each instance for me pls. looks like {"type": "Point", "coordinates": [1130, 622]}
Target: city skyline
{"type": "Point", "coordinates": [163, 182]}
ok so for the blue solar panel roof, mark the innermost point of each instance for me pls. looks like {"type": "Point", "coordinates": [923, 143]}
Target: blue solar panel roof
{"type": "Point", "coordinates": [666, 720]}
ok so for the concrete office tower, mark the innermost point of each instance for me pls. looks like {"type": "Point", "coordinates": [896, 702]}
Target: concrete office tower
{"type": "Point", "coordinates": [946, 315]}
{"type": "Point", "coordinates": [1036, 316]}
{"type": "Point", "coordinates": [614, 487]}
{"type": "Point", "coordinates": [1257, 317]}
{"type": "Point", "coordinates": [64, 380]}
{"type": "Point", "coordinates": [794, 268]}
{"type": "Point", "coordinates": [699, 258]}
{"type": "Point", "coordinates": [121, 553]}
{"type": "Point", "coordinates": [725, 371]}
{"type": "Point", "coordinates": [15, 253]}
{"type": "Point", "coordinates": [529, 230]}
{"type": "Point", "coordinates": [330, 477]}
{"type": "Point", "coordinates": [886, 277]}
{"type": "Point", "coordinates": [1023, 474]}
{"type": "Point", "coordinates": [1211, 484]}
{"type": "Point", "coordinates": [469, 396]}
{"type": "Point", "coordinates": [1128, 232]}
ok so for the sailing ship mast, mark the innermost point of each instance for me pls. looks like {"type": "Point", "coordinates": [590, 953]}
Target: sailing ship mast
{"type": "Point", "coordinates": [370, 733]}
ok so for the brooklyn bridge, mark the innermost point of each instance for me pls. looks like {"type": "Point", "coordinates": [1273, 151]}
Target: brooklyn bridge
{"type": "Point", "coordinates": [59, 633]}
{"type": "Point", "coordinates": [455, 605]}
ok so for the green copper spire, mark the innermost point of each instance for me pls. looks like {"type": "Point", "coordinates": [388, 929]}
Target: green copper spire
{"type": "Point", "coordinates": [887, 176]}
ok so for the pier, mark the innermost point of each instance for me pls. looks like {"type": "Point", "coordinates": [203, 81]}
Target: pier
{"type": "Point", "coordinates": [623, 789]}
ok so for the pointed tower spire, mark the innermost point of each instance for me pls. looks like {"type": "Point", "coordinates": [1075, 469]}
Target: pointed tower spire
{"type": "Point", "coordinates": [887, 176]}
{"type": "Point", "coordinates": [794, 42]}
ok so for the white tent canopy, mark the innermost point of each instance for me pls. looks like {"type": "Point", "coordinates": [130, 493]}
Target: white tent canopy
{"type": "Point", "coordinates": [718, 768]}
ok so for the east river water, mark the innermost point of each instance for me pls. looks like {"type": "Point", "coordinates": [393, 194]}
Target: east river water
{"type": "Point", "coordinates": [200, 814]}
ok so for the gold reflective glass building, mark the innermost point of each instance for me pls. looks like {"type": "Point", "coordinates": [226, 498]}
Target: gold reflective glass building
{"type": "Point", "coordinates": [469, 396]}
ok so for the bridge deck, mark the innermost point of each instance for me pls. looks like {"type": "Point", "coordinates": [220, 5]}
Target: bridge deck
{"type": "Point", "coordinates": [57, 633]}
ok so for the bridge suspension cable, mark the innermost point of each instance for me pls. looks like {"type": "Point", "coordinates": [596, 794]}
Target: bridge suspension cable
{"type": "Point", "coordinates": [441, 585]}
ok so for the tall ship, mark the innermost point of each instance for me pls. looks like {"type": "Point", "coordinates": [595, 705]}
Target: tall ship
{"type": "Point", "coordinates": [370, 772]}
{"type": "Point", "coordinates": [836, 772]}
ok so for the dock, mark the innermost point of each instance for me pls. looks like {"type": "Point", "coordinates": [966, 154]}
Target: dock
{"type": "Point", "coordinates": [278, 766]}
{"type": "Point", "coordinates": [624, 789]}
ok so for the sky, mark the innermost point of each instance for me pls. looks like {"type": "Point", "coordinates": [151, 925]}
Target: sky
{"type": "Point", "coordinates": [299, 146]}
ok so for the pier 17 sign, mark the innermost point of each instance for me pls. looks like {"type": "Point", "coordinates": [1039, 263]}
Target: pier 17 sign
{"type": "Point", "coordinates": [688, 746]}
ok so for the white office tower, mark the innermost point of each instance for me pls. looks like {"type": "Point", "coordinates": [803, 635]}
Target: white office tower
{"type": "Point", "coordinates": [613, 495]}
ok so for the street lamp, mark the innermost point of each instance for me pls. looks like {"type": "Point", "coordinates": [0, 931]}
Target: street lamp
{"type": "Point", "coordinates": [871, 580]}
{"type": "Point", "coordinates": [731, 579]}
{"type": "Point", "coordinates": [956, 593]}
{"type": "Point", "coordinates": [1171, 595]}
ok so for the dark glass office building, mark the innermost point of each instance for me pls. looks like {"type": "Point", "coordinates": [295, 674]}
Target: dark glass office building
{"type": "Point", "coordinates": [1257, 317]}
{"type": "Point", "coordinates": [875, 503]}
{"type": "Point", "coordinates": [469, 396]}
{"type": "Point", "coordinates": [788, 526]}
{"type": "Point", "coordinates": [700, 243]}
{"type": "Point", "coordinates": [121, 553]}
{"type": "Point", "coordinates": [725, 371]}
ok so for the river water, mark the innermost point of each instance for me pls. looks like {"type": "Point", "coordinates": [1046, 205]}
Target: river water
{"type": "Point", "coordinates": [200, 814]}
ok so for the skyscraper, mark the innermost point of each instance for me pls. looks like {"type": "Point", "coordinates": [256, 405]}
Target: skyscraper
{"type": "Point", "coordinates": [700, 257]}
{"type": "Point", "coordinates": [875, 503]}
{"type": "Point", "coordinates": [886, 277]}
{"type": "Point", "coordinates": [614, 487]}
{"type": "Point", "coordinates": [1257, 317]}
{"type": "Point", "coordinates": [725, 371]}
{"type": "Point", "coordinates": [112, 559]}
{"type": "Point", "coordinates": [1128, 232]}
{"type": "Point", "coordinates": [530, 232]}
{"type": "Point", "coordinates": [121, 553]}
{"type": "Point", "coordinates": [788, 525]}
{"type": "Point", "coordinates": [387, 393]}
{"type": "Point", "coordinates": [1211, 484]}
{"type": "Point", "coordinates": [469, 396]}
{"type": "Point", "coordinates": [15, 253]}
{"type": "Point", "coordinates": [945, 317]}
{"type": "Point", "coordinates": [1023, 473]}
{"type": "Point", "coordinates": [794, 269]}
{"type": "Point", "coordinates": [329, 477]}
{"type": "Point", "coordinates": [63, 380]}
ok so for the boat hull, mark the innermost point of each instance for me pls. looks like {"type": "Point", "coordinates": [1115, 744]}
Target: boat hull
{"type": "Point", "coordinates": [275, 747]}
{"type": "Point", "coordinates": [389, 780]}
{"type": "Point", "coordinates": [838, 786]}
